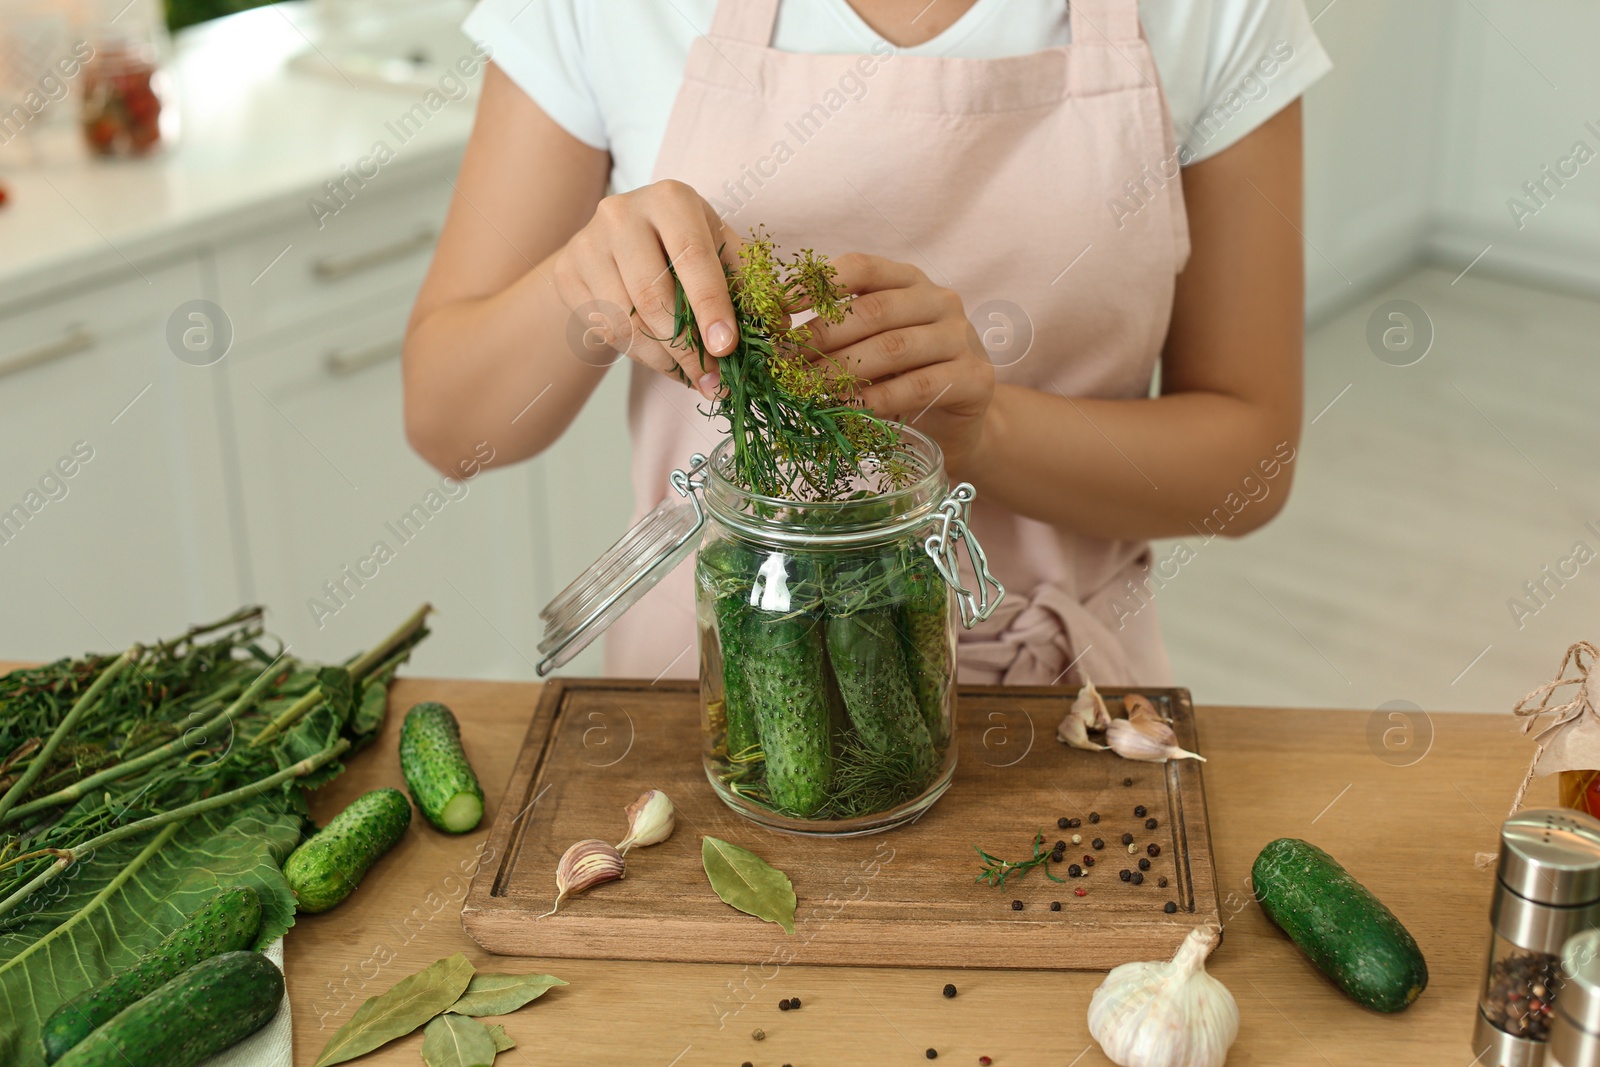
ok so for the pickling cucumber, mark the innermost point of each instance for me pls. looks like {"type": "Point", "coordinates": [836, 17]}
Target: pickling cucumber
{"type": "Point", "coordinates": [923, 621]}
{"type": "Point", "coordinates": [214, 1004]}
{"type": "Point", "coordinates": [1341, 927]}
{"type": "Point", "coordinates": [436, 769]}
{"type": "Point", "coordinates": [864, 649]}
{"type": "Point", "coordinates": [227, 922]}
{"type": "Point", "coordinates": [328, 867]}
{"type": "Point", "coordinates": [786, 685]}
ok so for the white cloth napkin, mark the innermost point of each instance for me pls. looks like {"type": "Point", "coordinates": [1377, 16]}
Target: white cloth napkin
{"type": "Point", "coordinates": [270, 1046]}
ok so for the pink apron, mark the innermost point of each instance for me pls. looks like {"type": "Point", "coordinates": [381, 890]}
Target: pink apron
{"type": "Point", "coordinates": [996, 177]}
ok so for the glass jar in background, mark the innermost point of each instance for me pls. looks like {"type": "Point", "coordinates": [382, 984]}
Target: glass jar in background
{"type": "Point", "coordinates": [1547, 890]}
{"type": "Point", "coordinates": [128, 107]}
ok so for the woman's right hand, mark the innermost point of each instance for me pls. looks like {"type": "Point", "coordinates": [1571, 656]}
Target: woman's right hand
{"type": "Point", "coordinates": [617, 265]}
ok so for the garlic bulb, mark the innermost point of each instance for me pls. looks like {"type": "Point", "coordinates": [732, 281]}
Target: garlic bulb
{"type": "Point", "coordinates": [1166, 1014]}
{"type": "Point", "coordinates": [650, 820]}
{"type": "Point", "coordinates": [1147, 740]}
{"type": "Point", "coordinates": [584, 866]}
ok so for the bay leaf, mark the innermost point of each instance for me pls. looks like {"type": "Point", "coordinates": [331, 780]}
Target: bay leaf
{"type": "Point", "coordinates": [501, 994]}
{"type": "Point", "coordinates": [407, 1004]}
{"type": "Point", "coordinates": [748, 882]}
{"type": "Point", "coordinates": [456, 1041]}
{"type": "Point", "coordinates": [503, 1041]}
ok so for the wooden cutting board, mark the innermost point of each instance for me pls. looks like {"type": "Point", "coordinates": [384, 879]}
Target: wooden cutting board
{"type": "Point", "coordinates": [906, 897]}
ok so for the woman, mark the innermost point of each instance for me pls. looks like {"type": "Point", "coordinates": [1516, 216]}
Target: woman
{"type": "Point", "coordinates": [1011, 161]}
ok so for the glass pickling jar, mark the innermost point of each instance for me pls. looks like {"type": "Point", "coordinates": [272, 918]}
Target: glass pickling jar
{"type": "Point", "coordinates": [827, 635]}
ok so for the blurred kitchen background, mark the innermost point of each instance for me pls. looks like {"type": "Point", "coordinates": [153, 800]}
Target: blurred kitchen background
{"type": "Point", "coordinates": [201, 313]}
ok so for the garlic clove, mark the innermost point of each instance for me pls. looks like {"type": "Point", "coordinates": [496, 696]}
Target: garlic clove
{"type": "Point", "coordinates": [1147, 741]}
{"type": "Point", "coordinates": [1166, 1014]}
{"type": "Point", "coordinates": [1074, 732]}
{"type": "Point", "coordinates": [650, 821]}
{"type": "Point", "coordinates": [1139, 708]}
{"type": "Point", "coordinates": [584, 866]}
{"type": "Point", "coordinates": [1090, 706]}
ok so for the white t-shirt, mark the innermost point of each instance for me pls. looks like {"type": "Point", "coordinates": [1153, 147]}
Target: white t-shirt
{"type": "Point", "coordinates": [608, 71]}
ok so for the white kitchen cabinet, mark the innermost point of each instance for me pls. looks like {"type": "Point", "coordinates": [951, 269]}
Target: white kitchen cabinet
{"type": "Point", "coordinates": [135, 543]}
{"type": "Point", "coordinates": [348, 530]}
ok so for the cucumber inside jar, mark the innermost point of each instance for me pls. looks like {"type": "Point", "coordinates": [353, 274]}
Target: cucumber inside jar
{"type": "Point", "coordinates": [827, 676]}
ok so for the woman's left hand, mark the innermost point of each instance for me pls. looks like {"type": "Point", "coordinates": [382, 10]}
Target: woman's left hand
{"type": "Point", "coordinates": [910, 339]}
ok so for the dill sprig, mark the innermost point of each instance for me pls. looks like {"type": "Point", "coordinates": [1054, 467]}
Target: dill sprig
{"type": "Point", "coordinates": [996, 871]}
{"type": "Point", "coordinates": [794, 412]}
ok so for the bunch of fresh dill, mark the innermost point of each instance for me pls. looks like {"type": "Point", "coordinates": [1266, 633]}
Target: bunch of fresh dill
{"type": "Point", "coordinates": [794, 412]}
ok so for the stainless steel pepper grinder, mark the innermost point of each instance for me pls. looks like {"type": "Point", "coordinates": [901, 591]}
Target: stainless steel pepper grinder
{"type": "Point", "coordinates": [1575, 1029]}
{"type": "Point", "coordinates": [1548, 889]}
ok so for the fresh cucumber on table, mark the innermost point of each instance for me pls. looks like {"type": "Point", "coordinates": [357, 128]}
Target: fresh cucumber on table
{"type": "Point", "coordinates": [327, 868]}
{"type": "Point", "coordinates": [436, 769]}
{"type": "Point", "coordinates": [227, 922]}
{"type": "Point", "coordinates": [1341, 927]}
{"type": "Point", "coordinates": [214, 1004]}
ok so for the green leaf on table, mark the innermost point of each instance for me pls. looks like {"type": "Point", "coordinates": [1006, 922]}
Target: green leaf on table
{"type": "Point", "coordinates": [244, 844]}
{"type": "Point", "coordinates": [747, 882]}
{"type": "Point", "coordinates": [502, 994]}
{"type": "Point", "coordinates": [456, 1041]}
{"type": "Point", "coordinates": [502, 1041]}
{"type": "Point", "coordinates": [407, 1004]}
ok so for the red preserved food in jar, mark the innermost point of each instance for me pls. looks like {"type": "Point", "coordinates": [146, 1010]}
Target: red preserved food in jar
{"type": "Point", "coordinates": [121, 114]}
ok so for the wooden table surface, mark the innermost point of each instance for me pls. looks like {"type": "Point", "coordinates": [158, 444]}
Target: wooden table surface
{"type": "Point", "coordinates": [1408, 832]}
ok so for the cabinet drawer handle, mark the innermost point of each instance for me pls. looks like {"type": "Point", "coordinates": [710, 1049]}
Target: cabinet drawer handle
{"type": "Point", "coordinates": [342, 363]}
{"type": "Point", "coordinates": [77, 339]}
{"type": "Point", "coordinates": [331, 268]}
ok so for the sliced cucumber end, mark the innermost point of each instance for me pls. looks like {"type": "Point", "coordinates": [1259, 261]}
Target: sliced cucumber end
{"type": "Point", "coordinates": [463, 813]}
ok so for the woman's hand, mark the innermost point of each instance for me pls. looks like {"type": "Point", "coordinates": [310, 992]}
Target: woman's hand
{"type": "Point", "coordinates": [620, 259]}
{"type": "Point", "coordinates": [910, 339]}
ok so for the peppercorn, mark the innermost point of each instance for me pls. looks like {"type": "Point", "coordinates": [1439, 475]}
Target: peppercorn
{"type": "Point", "coordinates": [1162, 881]}
{"type": "Point", "coordinates": [1098, 844]}
{"type": "Point", "coordinates": [1151, 824]}
{"type": "Point", "coordinates": [1016, 905]}
{"type": "Point", "coordinates": [949, 989]}
{"type": "Point", "coordinates": [1170, 906]}
{"type": "Point", "coordinates": [1074, 871]}
{"type": "Point", "coordinates": [1057, 857]}
{"type": "Point", "coordinates": [1061, 823]}
{"type": "Point", "coordinates": [1088, 861]}
{"type": "Point", "coordinates": [1125, 874]}
{"type": "Point", "coordinates": [984, 1061]}
{"type": "Point", "coordinates": [783, 1005]}
{"type": "Point", "coordinates": [1094, 816]}
{"type": "Point", "coordinates": [794, 1003]}
{"type": "Point", "coordinates": [1132, 849]}
{"type": "Point", "coordinates": [1127, 839]}
{"type": "Point", "coordinates": [1055, 905]}
{"type": "Point", "coordinates": [1061, 846]}
{"type": "Point", "coordinates": [1073, 824]}
{"type": "Point", "coordinates": [1144, 864]}
{"type": "Point", "coordinates": [1138, 812]}
{"type": "Point", "coordinates": [1077, 839]}
{"type": "Point", "coordinates": [759, 1034]}
{"type": "Point", "coordinates": [1082, 892]}
{"type": "Point", "coordinates": [746, 1063]}
{"type": "Point", "coordinates": [1127, 781]}
{"type": "Point", "coordinates": [1137, 878]}
{"type": "Point", "coordinates": [1153, 848]}
{"type": "Point", "coordinates": [932, 1054]}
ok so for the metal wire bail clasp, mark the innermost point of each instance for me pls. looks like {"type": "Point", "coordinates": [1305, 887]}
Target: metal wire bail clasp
{"type": "Point", "coordinates": [943, 548]}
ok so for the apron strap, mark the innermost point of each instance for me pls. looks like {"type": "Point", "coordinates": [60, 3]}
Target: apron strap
{"type": "Point", "coordinates": [1114, 21]}
{"type": "Point", "coordinates": [748, 21]}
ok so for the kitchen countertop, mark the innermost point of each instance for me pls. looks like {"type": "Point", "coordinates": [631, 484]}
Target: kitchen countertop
{"type": "Point", "coordinates": [1408, 832]}
{"type": "Point", "coordinates": [259, 138]}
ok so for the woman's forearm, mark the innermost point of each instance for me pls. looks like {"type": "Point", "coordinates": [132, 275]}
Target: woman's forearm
{"type": "Point", "coordinates": [1135, 468]}
{"type": "Point", "coordinates": [498, 369]}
